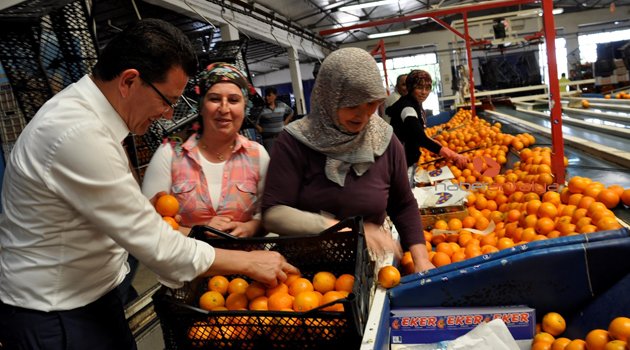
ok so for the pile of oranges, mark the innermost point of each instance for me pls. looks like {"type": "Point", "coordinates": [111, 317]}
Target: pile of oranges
{"type": "Point", "coordinates": [616, 337]}
{"type": "Point", "coordinates": [295, 294]}
{"type": "Point", "coordinates": [168, 207]}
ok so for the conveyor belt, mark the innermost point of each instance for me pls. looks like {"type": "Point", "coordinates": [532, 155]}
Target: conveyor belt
{"type": "Point", "coordinates": [591, 152]}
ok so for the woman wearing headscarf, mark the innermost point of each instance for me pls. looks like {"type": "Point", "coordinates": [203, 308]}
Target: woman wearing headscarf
{"type": "Point", "coordinates": [409, 121]}
{"type": "Point", "coordinates": [341, 161]}
{"type": "Point", "coordinates": [216, 174]}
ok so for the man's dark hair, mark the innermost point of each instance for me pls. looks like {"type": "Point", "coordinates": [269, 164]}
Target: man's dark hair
{"type": "Point", "coordinates": [151, 46]}
{"type": "Point", "coordinates": [271, 90]}
{"type": "Point", "coordinates": [401, 79]}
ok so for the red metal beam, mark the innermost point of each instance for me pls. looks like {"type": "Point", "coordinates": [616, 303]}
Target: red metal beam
{"type": "Point", "coordinates": [471, 72]}
{"type": "Point", "coordinates": [380, 48]}
{"type": "Point", "coordinates": [432, 13]}
{"type": "Point", "coordinates": [557, 141]}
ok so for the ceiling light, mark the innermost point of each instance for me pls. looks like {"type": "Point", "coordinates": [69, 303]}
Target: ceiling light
{"type": "Point", "coordinates": [382, 35]}
{"type": "Point", "coordinates": [367, 4]}
{"type": "Point", "coordinates": [554, 11]}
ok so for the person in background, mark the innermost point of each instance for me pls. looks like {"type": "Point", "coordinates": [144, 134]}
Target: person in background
{"type": "Point", "coordinates": [341, 161]}
{"type": "Point", "coordinates": [409, 121]}
{"type": "Point", "coordinates": [72, 208]}
{"type": "Point", "coordinates": [564, 83]}
{"type": "Point", "coordinates": [400, 91]}
{"type": "Point", "coordinates": [217, 174]}
{"type": "Point", "coordinates": [273, 118]}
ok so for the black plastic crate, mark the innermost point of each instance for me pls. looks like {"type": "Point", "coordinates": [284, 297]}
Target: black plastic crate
{"type": "Point", "coordinates": [340, 249]}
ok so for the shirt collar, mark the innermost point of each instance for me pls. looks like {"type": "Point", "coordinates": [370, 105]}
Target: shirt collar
{"type": "Point", "coordinates": [104, 110]}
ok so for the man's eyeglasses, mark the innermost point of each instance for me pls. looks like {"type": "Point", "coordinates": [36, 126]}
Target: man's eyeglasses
{"type": "Point", "coordinates": [166, 100]}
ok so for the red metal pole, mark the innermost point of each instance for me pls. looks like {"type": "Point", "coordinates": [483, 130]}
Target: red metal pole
{"type": "Point", "coordinates": [380, 48]}
{"type": "Point", "coordinates": [557, 141]}
{"type": "Point", "coordinates": [471, 73]}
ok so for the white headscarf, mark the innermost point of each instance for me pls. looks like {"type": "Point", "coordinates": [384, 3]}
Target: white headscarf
{"type": "Point", "coordinates": [348, 77]}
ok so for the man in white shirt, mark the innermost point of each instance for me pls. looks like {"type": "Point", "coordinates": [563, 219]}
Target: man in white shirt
{"type": "Point", "coordinates": [72, 208]}
{"type": "Point", "coordinates": [401, 90]}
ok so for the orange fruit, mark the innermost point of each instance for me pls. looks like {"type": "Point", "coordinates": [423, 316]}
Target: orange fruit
{"type": "Point", "coordinates": [255, 290]}
{"type": "Point", "coordinates": [388, 276]}
{"type": "Point", "coordinates": [406, 263]}
{"type": "Point", "coordinates": [541, 346]}
{"type": "Point", "coordinates": [218, 284]}
{"type": "Point", "coordinates": [547, 209]}
{"type": "Point", "coordinates": [455, 224]}
{"type": "Point", "coordinates": [618, 189]}
{"type": "Point", "coordinates": [236, 301]}
{"type": "Point", "coordinates": [167, 205]}
{"type": "Point", "coordinates": [344, 283]}
{"type": "Point", "coordinates": [458, 256]}
{"type": "Point", "coordinates": [585, 104]}
{"type": "Point", "coordinates": [291, 277]}
{"type": "Point", "coordinates": [324, 281]}
{"type": "Point", "coordinates": [445, 248]}
{"type": "Point", "coordinates": [198, 332]}
{"type": "Point", "coordinates": [610, 198]}
{"type": "Point", "coordinates": [300, 285]}
{"type": "Point", "coordinates": [330, 297]}
{"type": "Point", "coordinates": [259, 303]}
{"type": "Point", "coordinates": [597, 339]}
{"type": "Point", "coordinates": [543, 337]}
{"type": "Point", "coordinates": [174, 224]}
{"type": "Point", "coordinates": [578, 184]}
{"type": "Point", "coordinates": [211, 299]}
{"type": "Point", "coordinates": [469, 221]}
{"type": "Point", "coordinates": [306, 301]}
{"type": "Point", "coordinates": [440, 225]}
{"type": "Point", "coordinates": [576, 344]}
{"type": "Point", "coordinates": [553, 323]}
{"type": "Point", "coordinates": [441, 259]}
{"type": "Point", "coordinates": [615, 345]}
{"type": "Point", "coordinates": [281, 287]}
{"type": "Point", "coordinates": [545, 225]}
{"type": "Point", "coordinates": [625, 197]}
{"type": "Point", "coordinates": [280, 301]}
{"type": "Point", "coordinates": [619, 328]}
{"type": "Point", "coordinates": [560, 343]}
{"type": "Point", "coordinates": [237, 285]}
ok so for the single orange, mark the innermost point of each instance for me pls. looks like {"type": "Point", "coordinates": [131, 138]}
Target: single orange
{"type": "Point", "coordinates": [167, 205]}
{"type": "Point", "coordinates": [619, 328]}
{"type": "Point", "coordinates": [541, 346]}
{"type": "Point", "coordinates": [625, 197]}
{"type": "Point", "coordinates": [300, 285]}
{"type": "Point", "coordinates": [616, 345]}
{"type": "Point", "coordinates": [219, 284]}
{"type": "Point", "coordinates": [259, 303]}
{"type": "Point", "coordinates": [236, 301]}
{"type": "Point", "coordinates": [560, 343]}
{"type": "Point", "coordinates": [610, 198]}
{"type": "Point", "coordinates": [211, 299]}
{"type": "Point", "coordinates": [280, 301]}
{"type": "Point", "coordinates": [171, 221]}
{"type": "Point", "coordinates": [291, 277]}
{"type": "Point", "coordinates": [281, 287]}
{"type": "Point", "coordinates": [330, 297]}
{"type": "Point", "coordinates": [255, 290]}
{"type": "Point", "coordinates": [324, 281]}
{"type": "Point", "coordinates": [388, 276]}
{"type": "Point", "coordinates": [344, 283]}
{"type": "Point", "coordinates": [306, 301]}
{"type": "Point", "coordinates": [237, 285]}
{"type": "Point", "coordinates": [441, 259]}
{"type": "Point", "coordinates": [576, 344]}
{"type": "Point", "coordinates": [553, 323]}
{"type": "Point", "coordinates": [597, 339]}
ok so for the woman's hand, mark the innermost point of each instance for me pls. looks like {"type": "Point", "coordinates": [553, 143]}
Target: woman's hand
{"type": "Point", "coordinates": [235, 228]}
{"type": "Point", "coordinates": [420, 257]}
{"type": "Point", "coordinates": [380, 241]}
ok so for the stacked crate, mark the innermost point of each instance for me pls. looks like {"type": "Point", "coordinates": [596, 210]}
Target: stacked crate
{"type": "Point", "coordinates": [11, 119]}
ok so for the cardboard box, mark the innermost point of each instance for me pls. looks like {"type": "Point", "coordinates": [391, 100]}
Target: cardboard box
{"type": "Point", "coordinates": [435, 325]}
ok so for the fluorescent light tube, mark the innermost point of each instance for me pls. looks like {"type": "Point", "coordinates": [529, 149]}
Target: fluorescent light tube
{"type": "Point", "coordinates": [382, 35]}
{"type": "Point", "coordinates": [367, 4]}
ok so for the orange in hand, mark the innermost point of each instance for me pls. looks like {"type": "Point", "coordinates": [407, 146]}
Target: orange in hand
{"type": "Point", "coordinates": [167, 205]}
{"type": "Point", "coordinates": [174, 224]}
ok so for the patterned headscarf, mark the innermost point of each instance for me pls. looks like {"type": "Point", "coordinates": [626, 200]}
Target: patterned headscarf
{"type": "Point", "coordinates": [220, 72]}
{"type": "Point", "coordinates": [417, 78]}
{"type": "Point", "coordinates": [348, 77]}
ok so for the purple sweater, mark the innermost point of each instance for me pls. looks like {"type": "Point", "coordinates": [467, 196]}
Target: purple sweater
{"type": "Point", "coordinates": [296, 178]}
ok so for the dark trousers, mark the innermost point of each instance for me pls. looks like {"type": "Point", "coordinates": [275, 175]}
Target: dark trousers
{"type": "Point", "coordinates": [98, 325]}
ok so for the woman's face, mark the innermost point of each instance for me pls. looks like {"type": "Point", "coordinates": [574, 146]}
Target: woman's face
{"type": "Point", "coordinates": [422, 91]}
{"type": "Point", "coordinates": [223, 109]}
{"type": "Point", "coordinates": [354, 119]}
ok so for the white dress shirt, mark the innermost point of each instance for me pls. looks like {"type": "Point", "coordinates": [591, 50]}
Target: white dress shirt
{"type": "Point", "coordinates": [72, 210]}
